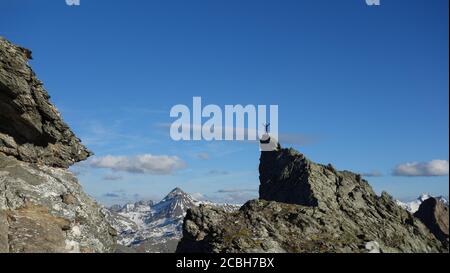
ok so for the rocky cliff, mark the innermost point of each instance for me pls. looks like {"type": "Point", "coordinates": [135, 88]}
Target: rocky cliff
{"type": "Point", "coordinates": [42, 206]}
{"type": "Point", "coordinates": [308, 207]}
{"type": "Point", "coordinates": [434, 214]}
{"type": "Point", "coordinates": [31, 128]}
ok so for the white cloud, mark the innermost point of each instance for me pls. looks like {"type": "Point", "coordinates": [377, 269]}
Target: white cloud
{"type": "Point", "coordinates": [111, 195]}
{"type": "Point", "coordinates": [113, 137]}
{"type": "Point", "coordinates": [203, 156]}
{"type": "Point", "coordinates": [432, 168]}
{"type": "Point", "coordinates": [297, 139]}
{"type": "Point", "coordinates": [373, 173]}
{"type": "Point", "coordinates": [236, 197]}
{"type": "Point", "coordinates": [198, 196]}
{"type": "Point", "coordinates": [243, 133]}
{"type": "Point", "coordinates": [238, 132]}
{"type": "Point", "coordinates": [112, 177]}
{"type": "Point", "coordinates": [146, 163]}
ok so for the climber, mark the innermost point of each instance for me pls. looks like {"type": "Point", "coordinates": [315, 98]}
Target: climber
{"type": "Point", "coordinates": [268, 143]}
{"type": "Point", "coordinates": [266, 126]}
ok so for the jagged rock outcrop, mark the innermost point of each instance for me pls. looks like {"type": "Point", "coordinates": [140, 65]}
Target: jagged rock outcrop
{"type": "Point", "coordinates": [283, 179]}
{"type": "Point", "coordinates": [434, 214]}
{"type": "Point", "coordinates": [308, 207]}
{"type": "Point", "coordinates": [31, 128]}
{"type": "Point", "coordinates": [42, 206]}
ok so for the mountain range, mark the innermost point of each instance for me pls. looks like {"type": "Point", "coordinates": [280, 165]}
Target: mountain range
{"type": "Point", "coordinates": [146, 226]}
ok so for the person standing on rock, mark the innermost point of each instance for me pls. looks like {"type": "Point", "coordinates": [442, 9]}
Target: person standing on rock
{"type": "Point", "coordinates": [268, 143]}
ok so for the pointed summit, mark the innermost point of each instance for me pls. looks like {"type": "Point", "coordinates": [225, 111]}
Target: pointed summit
{"type": "Point", "coordinates": [174, 205]}
{"type": "Point", "coordinates": [177, 192]}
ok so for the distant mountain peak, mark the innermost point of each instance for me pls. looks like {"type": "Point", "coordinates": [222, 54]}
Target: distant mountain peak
{"type": "Point", "coordinates": [149, 227]}
{"type": "Point", "coordinates": [177, 190]}
{"type": "Point", "coordinates": [175, 193]}
{"type": "Point", "coordinates": [174, 205]}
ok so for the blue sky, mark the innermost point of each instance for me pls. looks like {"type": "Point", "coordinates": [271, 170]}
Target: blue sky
{"type": "Point", "coordinates": [366, 86]}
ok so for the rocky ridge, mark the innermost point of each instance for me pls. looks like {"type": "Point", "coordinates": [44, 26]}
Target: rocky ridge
{"type": "Point", "coordinates": [42, 206]}
{"type": "Point", "coordinates": [308, 207]}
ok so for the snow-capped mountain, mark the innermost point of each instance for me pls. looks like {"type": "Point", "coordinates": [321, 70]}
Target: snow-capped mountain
{"type": "Point", "coordinates": [138, 206]}
{"type": "Point", "coordinates": [148, 227]}
{"type": "Point", "coordinates": [413, 206]}
{"type": "Point", "coordinates": [173, 206]}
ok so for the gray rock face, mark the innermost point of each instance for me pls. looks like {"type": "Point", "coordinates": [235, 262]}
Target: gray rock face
{"type": "Point", "coordinates": [44, 209]}
{"type": "Point", "coordinates": [31, 128]}
{"type": "Point", "coordinates": [42, 205]}
{"type": "Point", "coordinates": [434, 214]}
{"type": "Point", "coordinates": [308, 207]}
{"type": "Point", "coordinates": [283, 179]}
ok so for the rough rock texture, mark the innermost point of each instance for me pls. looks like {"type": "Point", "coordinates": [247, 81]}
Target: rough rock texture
{"type": "Point", "coordinates": [42, 206]}
{"type": "Point", "coordinates": [44, 209]}
{"type": "Point", "coordinates": [434, 214]}
{"type": "Point", "coordinates": [308, 207]}
{"type": "Point", "coordinates": [31, 128]}
{"type": "Point", "coordinates": [283, 179]}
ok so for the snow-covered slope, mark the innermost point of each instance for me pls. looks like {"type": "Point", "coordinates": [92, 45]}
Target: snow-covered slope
{"type": "Point", "coordinates": [148, 227]}
{"type": "Point", "coordinates": [413, 206]}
